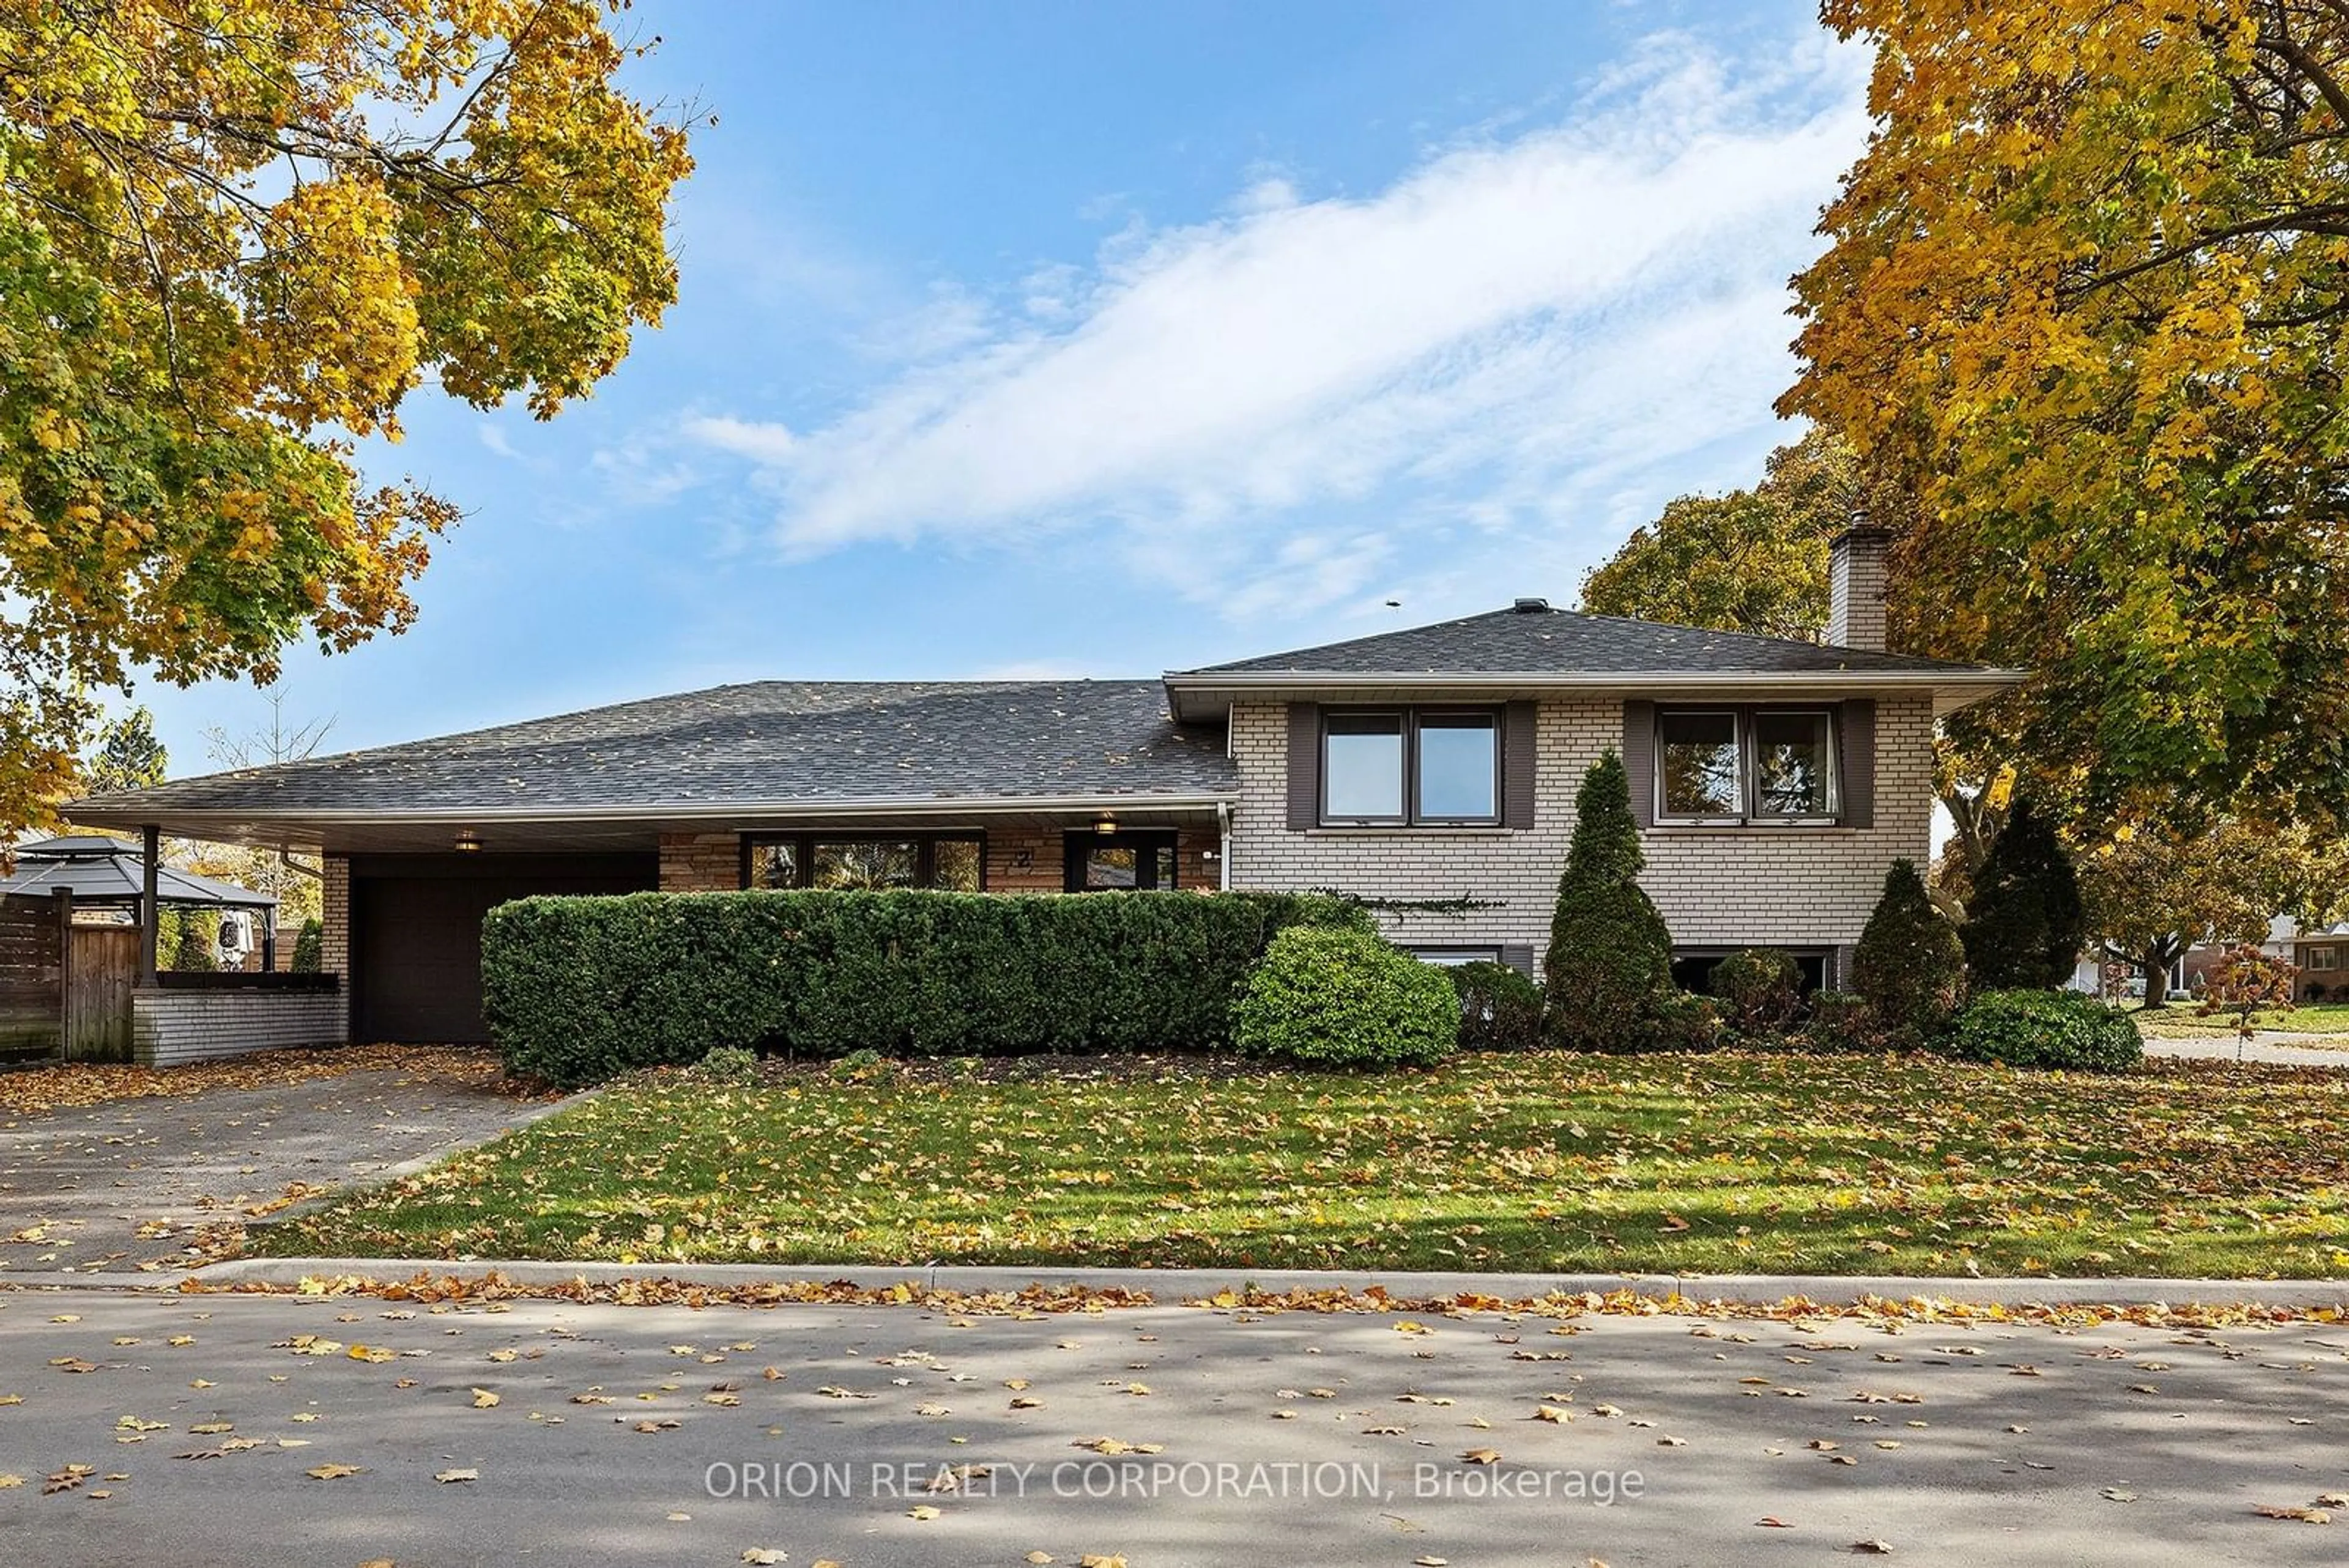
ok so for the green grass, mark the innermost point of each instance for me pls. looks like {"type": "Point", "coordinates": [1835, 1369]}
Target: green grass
{"type": "Point", "coordinates": [1723, 1163]}
{"type": "Point", "coordinates": [2183, 1020]}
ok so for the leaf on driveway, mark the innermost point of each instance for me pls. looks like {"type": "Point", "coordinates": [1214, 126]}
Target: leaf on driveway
{"type": "Point", "coordinates": [2305, 1515]}
{"type": "Point", "coordinates": [766, 1554]}
{"type": "Point", "coordinates": [922, 1511]}
{"type": "Point", "coordinates": [484, 1399]}
{"type": "Point", "coordinates": [375, 1352]}
{"type": "Point", "coordinates": [1872, 1548]}
{"type": "Point", "coordinates": [332, 1473]}
{"type": "Point", "coordinates": [1771, 1521]}
{"type": "Point", "coordinates": [1482, 1457]}
{"type": "Point", "coordinates": [2117, 1494]}
{"type": "Point", "coordinates": [450, 1477]}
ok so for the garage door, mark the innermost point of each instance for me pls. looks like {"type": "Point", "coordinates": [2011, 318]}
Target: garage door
{"type": "Point", "coordinates": [415, 932]}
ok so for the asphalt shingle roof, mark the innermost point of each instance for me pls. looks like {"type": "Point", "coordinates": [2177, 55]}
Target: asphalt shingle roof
{"type": "Point", "coordinates": [769, 742]}
{"type": "Point", "coordinates": [1554, 641]}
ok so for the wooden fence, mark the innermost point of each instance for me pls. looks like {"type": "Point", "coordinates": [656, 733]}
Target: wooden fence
{"type": "Point", "coordinates": [32, 975]}
{"type": "Point", "coordinates": [65, 990]}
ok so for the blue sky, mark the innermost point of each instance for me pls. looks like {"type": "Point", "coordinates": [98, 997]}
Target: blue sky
{"type": "Point", "coordinates": [1089, 338]}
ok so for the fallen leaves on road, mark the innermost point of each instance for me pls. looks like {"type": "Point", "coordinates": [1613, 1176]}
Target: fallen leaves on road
{"type": "Point", "coordinates": [2305, 1515]}
{"type": "Point", "coordinates": [484, 1400]}
{"type": "Point", "coordinates": [332, 1473]}
{"type": "Point", "coordinates": [451, 1478]}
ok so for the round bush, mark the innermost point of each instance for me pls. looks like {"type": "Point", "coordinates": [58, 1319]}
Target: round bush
{"type": "Point", "coordinates": [1500, 1008]}
{"type": "Point", "coordinates": [2046, 1029]}
{"type": "Point", "coordinates": [1343, 997]}
{"type": "Point", "coordinates": [1841, 1021]}
{"type": "Point", "coordinates": [1760, 989]}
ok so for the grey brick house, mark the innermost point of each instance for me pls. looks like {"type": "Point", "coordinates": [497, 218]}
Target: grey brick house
{"type": "Point", "coordinates": [1431, 770]}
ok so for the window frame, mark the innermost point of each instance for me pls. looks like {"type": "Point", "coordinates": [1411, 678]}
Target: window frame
{"type": "Point", "coordinates": [1749, 813]}
{"type": "Point", "coordinates": [1147, 842]}
{"type": "Point", "coordinates": [2325, 957]}
{"type": "Point", "coordinates": [1411, 717]}
{"type": "Point", "coordinates": [1454, 955]}
{"type": "Point", "coordinates": [925, 853]}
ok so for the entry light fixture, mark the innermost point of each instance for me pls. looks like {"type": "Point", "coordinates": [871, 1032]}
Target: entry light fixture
{"type": "Point", "coordinates": [468, 841]}
{"type": "Point", "coordinates": [1106, 825]}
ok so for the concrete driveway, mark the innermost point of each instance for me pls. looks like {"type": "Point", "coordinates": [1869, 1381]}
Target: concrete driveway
{"type": "Point", "coordinates": [279, 1430]}
{"type": "Point", "coordinates": [156, 1180]}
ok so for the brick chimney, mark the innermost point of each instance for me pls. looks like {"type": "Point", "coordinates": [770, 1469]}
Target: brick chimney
{"type": "Point", "coordinates": [1856, 584]}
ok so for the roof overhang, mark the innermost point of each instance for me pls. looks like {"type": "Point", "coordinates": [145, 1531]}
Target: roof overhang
{"type": "Point", "coordinates": [1207, 694]}
{"type": "Point", "coordinates": [524, 829]}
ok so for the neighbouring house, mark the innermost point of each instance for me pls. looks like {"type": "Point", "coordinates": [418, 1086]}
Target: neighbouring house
{"type": "Point", "coordinates": [2322, 953]}
{"type": "Point", "coordinates": [1431, 772]}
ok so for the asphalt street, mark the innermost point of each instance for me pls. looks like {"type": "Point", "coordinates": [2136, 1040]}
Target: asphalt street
{"type": "Point", "coordinates": [267, 1430]}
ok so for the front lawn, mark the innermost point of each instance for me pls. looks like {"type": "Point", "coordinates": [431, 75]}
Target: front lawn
{"type": "Point", "coordinates": [1724, 1163]}
{"type": "Point", "coordinates": [2184, 1019]}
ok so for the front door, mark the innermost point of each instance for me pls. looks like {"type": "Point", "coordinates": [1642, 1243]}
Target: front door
{"type": "Point", "coordinates": [1130, 861]}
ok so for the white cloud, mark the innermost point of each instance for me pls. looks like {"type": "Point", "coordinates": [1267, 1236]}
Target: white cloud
{"type": "Point", "coordinates": [1281, 405]}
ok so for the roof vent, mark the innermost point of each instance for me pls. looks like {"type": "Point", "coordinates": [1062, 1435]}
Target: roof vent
{"type": "Point", "coordinates": [1531, 606]}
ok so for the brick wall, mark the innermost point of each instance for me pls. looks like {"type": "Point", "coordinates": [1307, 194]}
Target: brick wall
{"type": "Point", "coordinates": [1716, 886]}
{"type": "Point", "coordinates": [334, 932]}
{"type": "Point", "coordinates": [701, 862]}
{"type": "Point", "coordinates": [169, 1027]}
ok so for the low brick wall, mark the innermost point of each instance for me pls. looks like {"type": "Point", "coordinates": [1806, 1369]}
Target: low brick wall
{"type": "Point", "coordinates": [171, 1027]}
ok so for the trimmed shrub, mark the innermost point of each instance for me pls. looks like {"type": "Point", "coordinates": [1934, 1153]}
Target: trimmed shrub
{"type": "Point", "coordinates": [1610, 958]}
{"type": "Point", "coordinates": [1680, 1021]}
{"type": "Point", "coordinates": [2046, 1029]}
{"type": "Point", "coordinates": [2026, 922]}
{"type": "Point", "coordinates": [576, 990]}
{"type": "Point", "coordinates": [1909, 964]}
{"type": "Point", "coordinates": [1760, 989]}
{"type": "Point", "coordinates": [1335, 998]}
{"type": "Point", "coordinates": [1500, 1008]}
{"type": "Point", "coordinates": [1841, 1021]}
{"type": "Point", "coordinates": [309, 947]}
{"type": "Point", "coordinates": [732, 1065]}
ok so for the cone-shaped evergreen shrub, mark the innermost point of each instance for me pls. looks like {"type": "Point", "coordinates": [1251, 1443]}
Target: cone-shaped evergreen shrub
{"type": "Point", "coordinates": [2026, 922]}
{"type": "Point", "coordinates": [1910, 965]}
{"type": "Point", "coordinates": [309, 947]}
{"type": "Point", "coordinates": [1610, 958]}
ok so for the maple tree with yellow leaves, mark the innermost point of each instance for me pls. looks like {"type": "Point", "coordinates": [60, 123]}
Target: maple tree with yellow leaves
{"type": "Point", "coordinates": [2085, 300]}
{"type": "Point", "coordinates": [234, 235]}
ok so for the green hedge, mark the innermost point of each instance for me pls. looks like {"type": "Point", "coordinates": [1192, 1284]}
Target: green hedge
{"type": "Point", "coordinates": [2046, 1029]}
{"type": "Point", "coordinates": [576, 990]}
{"type": "Point", "coordinates": [1345, 999]}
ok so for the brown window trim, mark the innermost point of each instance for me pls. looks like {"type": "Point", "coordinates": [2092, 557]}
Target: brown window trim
{"type": "Point", "coordinates": [1410, 715]}
{"type": "Point", "coordinates": [925, 857]}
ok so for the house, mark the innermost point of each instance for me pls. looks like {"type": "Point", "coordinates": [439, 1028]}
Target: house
{"type": "Point", "coordinates": [1429, 771]}
{"type": "Point", "coordinates": [2322, 953]}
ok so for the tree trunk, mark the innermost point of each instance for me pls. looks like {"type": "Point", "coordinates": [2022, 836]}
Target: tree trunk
{"type": "Point", "coordinates": [2157, 975]}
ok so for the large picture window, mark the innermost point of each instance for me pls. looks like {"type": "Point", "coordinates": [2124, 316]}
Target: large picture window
{"type": "Point", "coordinates": [1424, 766]}
{"type": "Point", "coordinates": [1742, 765]}
{"type": "Point", "coordinates": [874, 862]}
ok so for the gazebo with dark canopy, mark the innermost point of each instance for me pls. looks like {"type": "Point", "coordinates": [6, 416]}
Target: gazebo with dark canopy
{"type": "Point", "coordinates": [114, 873]}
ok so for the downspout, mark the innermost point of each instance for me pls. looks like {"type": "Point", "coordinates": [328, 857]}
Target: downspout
{"type": "Point", "coordinates": [1224, 847]}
